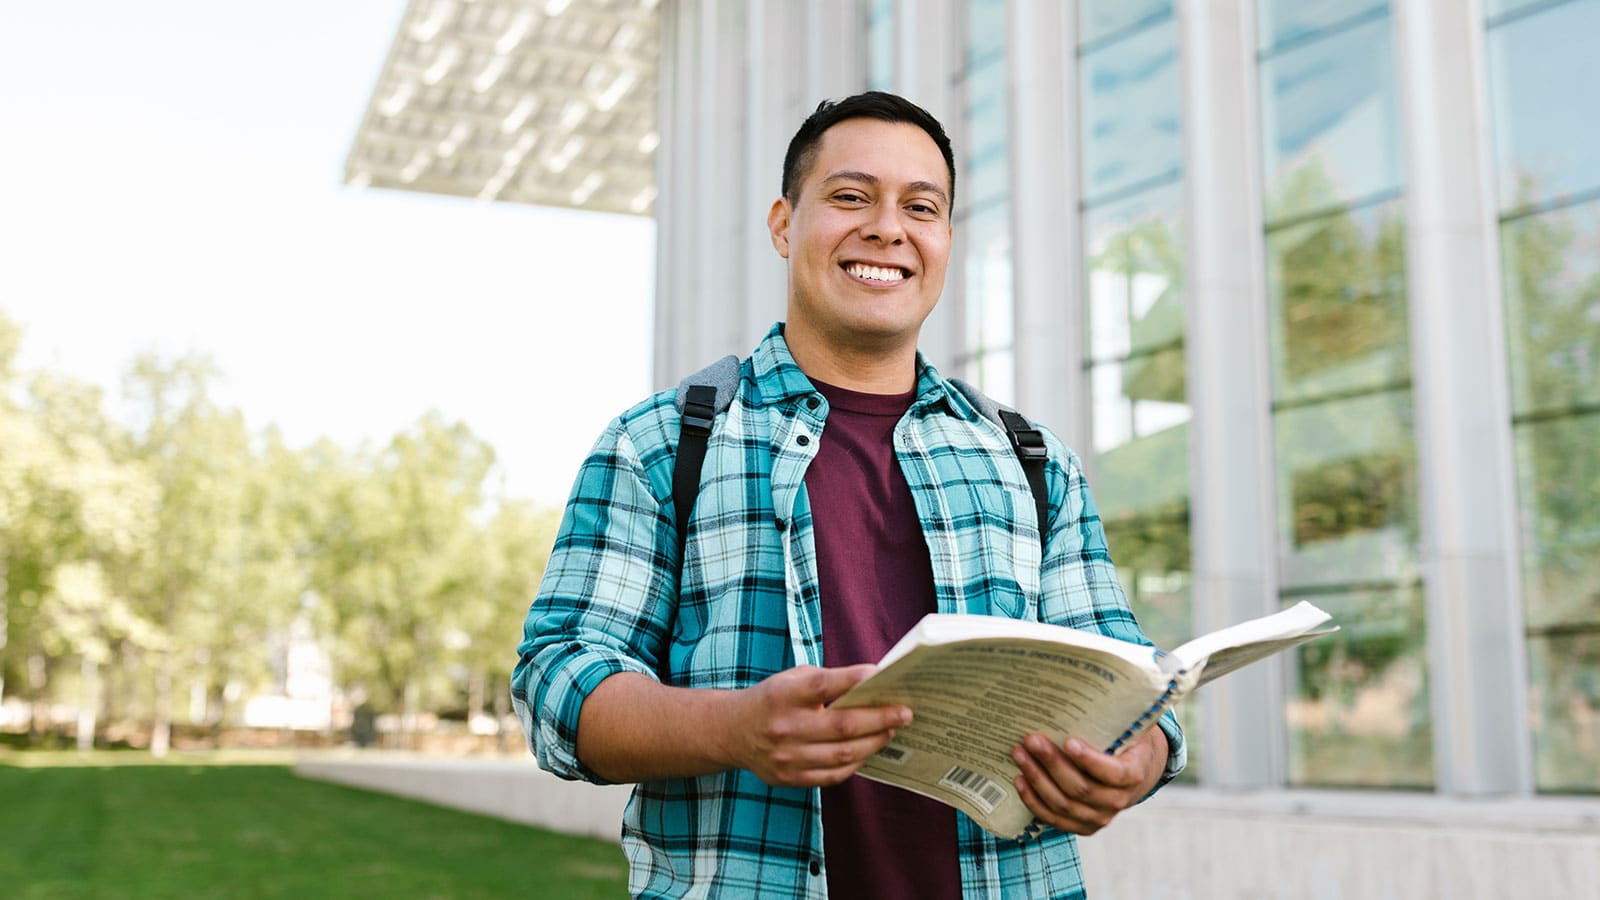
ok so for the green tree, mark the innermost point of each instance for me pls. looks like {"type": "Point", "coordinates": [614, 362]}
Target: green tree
{"type": "Point", "coordinates": [218, 572]}
{"type": "Point", "coordinates": [400, 554]}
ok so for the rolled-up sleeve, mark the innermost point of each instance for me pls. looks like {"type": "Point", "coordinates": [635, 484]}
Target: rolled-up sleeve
{"type": "Point", "coordinates": [604, 605]}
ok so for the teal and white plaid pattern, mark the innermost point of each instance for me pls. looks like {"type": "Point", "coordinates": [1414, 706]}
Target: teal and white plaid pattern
{"type": "Point", "coordinates": [746, 607]}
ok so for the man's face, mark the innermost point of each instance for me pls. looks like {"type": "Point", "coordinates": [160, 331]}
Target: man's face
{"type": "Point", "coordinates": [868, 238]}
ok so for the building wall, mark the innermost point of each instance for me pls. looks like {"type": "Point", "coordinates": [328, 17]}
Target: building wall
{"type": "Point", "coordinates": [1314, 290]}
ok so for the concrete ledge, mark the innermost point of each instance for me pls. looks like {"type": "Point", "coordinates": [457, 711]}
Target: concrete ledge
{"type": "Point", "coordinates": [1185, 844]}
{"type": "Point", "coordinates": [512, 788]}
{"type": "Point", "coordinates": [1332, 845]}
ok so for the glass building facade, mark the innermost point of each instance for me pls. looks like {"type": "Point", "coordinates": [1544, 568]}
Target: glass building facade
{"type": "Point", "coordinates": [1454, 535]}
{"type": "Point", "coordinates": [1547, 167]}
{"type": "Point", "coordinates": [1130, 115]}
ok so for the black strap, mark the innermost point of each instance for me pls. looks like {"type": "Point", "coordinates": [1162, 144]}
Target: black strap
{"type": "Point", "coordinates": [1028, 441]}
{"type": "Point", "coordinates": [699, 408]}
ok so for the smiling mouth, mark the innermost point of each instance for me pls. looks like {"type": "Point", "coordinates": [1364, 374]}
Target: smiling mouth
{"type": "Point", "coordinates": [876, 274]}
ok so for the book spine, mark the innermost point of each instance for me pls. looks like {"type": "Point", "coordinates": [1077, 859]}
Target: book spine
{"type": "Point", "coordinates": [1156, 709]}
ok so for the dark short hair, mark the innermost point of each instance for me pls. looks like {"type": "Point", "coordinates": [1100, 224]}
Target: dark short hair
{"type": "Point", "coordinates": [870, 105]}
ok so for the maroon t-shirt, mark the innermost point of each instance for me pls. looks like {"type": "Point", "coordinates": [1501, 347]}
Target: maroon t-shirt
{"type": "Point", "coordinates": [876, 582]}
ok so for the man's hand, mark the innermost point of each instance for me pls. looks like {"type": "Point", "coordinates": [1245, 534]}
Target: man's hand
{"type": "Point", "coordinates": [1078, 788]}
{"type": "Point", "coordinates": [785, 733]}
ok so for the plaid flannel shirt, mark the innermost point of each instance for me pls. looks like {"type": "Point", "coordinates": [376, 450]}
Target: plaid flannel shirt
{"type": "Point", "coordinates": [746, 606]}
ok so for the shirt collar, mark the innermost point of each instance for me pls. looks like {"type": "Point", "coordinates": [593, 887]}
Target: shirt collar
{"type": "Point", "coordinates": [778, 378]}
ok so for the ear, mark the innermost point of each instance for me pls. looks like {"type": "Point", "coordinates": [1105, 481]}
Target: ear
{"type": "Point", "coordinates": [778, 226]}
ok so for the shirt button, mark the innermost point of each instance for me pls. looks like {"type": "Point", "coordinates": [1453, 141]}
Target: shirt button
{"type": "Point", "coordinates": [802, 440]}
{"type": "Point", "coordinates": [816, 867]}
{"type": "Point", "coordinates": [812, 403]}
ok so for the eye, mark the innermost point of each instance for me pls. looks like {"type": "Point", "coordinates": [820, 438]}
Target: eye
{"type": "Point", "coordinates": [849, 197]}
{"type": "Point", "coordinates": [923, 209]}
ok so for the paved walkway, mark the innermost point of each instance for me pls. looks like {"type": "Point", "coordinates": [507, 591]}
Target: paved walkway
{"type": "Point", "coordinates": [512, 788]}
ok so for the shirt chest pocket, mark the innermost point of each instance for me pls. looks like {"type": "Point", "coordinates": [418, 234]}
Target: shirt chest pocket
{"type": "Point", "coordinates": [999, 548]}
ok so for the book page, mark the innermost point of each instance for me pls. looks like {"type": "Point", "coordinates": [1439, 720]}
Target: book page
{"type": "Point", "coordinates": [973, 701]}
{"type": "Point", "coordinates": [1220, 652]}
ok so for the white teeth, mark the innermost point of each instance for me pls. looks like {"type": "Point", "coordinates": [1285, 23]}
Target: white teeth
{"type": "Point", "coordinates": [876, 273]}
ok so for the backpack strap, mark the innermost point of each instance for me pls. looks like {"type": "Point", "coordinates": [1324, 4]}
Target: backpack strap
{"type": "Point", "coordinates": [701, 398]}
{"type": "Point", "coordinates": [1026, 440]}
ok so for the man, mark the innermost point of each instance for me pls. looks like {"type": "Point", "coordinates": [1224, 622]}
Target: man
{"type": "Point", "coordinates": [848, 491]}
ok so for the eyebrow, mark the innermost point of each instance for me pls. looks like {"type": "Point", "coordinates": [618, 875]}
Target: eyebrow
{"type": "Point", "coordinates": [873, 180]}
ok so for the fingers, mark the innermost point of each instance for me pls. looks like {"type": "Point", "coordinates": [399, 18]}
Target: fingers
{"type": "Point", "coordinates": [794, 739]}
{"type": "Point", "coordinates": [1076, 789]}
{"type": "Point", "coordinates": [823, 686]}
{"type": "Point", "coordinates": [811, 689]}
{"type": "Point", "coordinates": [825, 764]}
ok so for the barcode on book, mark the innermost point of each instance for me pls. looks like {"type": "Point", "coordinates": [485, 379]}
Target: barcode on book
{"type": "Point", "coordinates": [891, 753]}
{"type": "Point", "coordinates": [981, 790]}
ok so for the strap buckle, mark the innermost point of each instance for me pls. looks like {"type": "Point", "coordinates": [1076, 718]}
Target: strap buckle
{"type": "Point", "coordinates": [1025, 439]}
{"type": "Point", "coordinates": [699, 407]}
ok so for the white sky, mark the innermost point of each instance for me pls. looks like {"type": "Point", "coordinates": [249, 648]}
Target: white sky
{"type": "Point", "coordinates": [170, 180]}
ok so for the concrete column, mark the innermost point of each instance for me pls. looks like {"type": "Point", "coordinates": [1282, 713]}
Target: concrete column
{"type": "Point", "coordinates": [1046, 232]}
{"type": "Point", "coordinates": [720, 208]}
{"type": "Point", "coordinates": [836, 50]}
{"type": "Point", "coordinates": [775, 105]}
{"type": "Point", "coordinates": [1469, 551]}
{"type": "Point", "coordinates": [1230, 444]}
{"type": "Point", "coordinates": [676, 112]}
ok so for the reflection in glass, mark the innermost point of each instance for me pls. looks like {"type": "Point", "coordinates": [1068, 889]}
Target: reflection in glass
{"type": "Point", "coordinates": [1329, 122]}
{"type": "Point", "coordinates": [1547, 136]}
{"type": "Point", "coordinates": [984, 224]}
{"type": "Point", "coordinates": [983, 177]}
{"type": "Point", "coordinates": [1336, 294]}
{"type": "Point", "coordinates": [1141, 442]}
{"type": "Point", "coordinates": [1552, 290]}
{"type": "Point", "coordinates": [1360, 714]}
{"type": "Point", "coordinates": [1102, 18]}
{"type": "Point", "coordinates": [1131, 113]}
{"type": "Point", "coordinates": [1285, 20]}
{"type": "Point", "coordinates": [988, 293]}
{"type": "Point", "coordinates": [1347, 485]}
{"type": "Point", "coordinates": [1565, 701]}
{"type": "Point", "coordinates": [1496, 9]}
{"type": "Point", "coordinates": [1558, 474]}
{"type": "Point", "coordinates": [880, 45]}
{"type": "Point", "coordinates": [1134, 256]}
{"type": "Point", "coordinates": [986, 33]}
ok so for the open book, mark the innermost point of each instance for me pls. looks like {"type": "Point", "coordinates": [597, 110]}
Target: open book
{"type": "Point", "coordinates": [977, 685]}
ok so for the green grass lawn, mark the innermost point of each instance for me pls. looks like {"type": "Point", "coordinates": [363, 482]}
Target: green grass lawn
{"type": "Point", "coordinates": [87, 828]}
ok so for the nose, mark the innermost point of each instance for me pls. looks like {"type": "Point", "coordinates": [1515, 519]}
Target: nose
{"type": "Point", "coordinates": [885, 225]}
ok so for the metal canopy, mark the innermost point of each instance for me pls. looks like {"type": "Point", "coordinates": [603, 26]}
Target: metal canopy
{"type": "Point", "coordinates": [549, 102]}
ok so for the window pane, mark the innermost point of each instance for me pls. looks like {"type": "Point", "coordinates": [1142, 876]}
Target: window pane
{"type": "Point", "coordinates": [1099, 18]}
{"type": "Point", "coordinates": [986, 33]}
{"type": "Point", "coordinates": [988, 289]}
{"type": "Point", "coordinates": [1360, 714]}
{"type": "Point", "coordinates": [1347, 491]}
{"type": "Point", "coordinates": [1552, 278]}
{"type": "Point", "coordinates": [1131, 112]}
{"type": "Point", "coordinates": [984, 165]}
{"type": "Point", "coordinates": [1135, 262]}
{"type": "Point", "coordinates": [1493, 9]}
{"type": "Point", "coordinates": [1566, 710]}
{"type": "Point", "coordinates": [1547, 135]}
{"type": "Point", "coordinates": [1558, 474]}
{"type": "Point", "coordinates": [880, 45]}
{"type": "Point", "coordinates": [1336, 294]}
{"type": "Point", "coordinates": [1141, 437]}
{"type": "Point", "coordinates": [1329, 122]}
{"type": "Point", "coordinates": [1284, 20]}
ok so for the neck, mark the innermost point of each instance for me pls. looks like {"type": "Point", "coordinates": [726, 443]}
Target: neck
{"type": "Point", "coordinates": [870, 368]}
